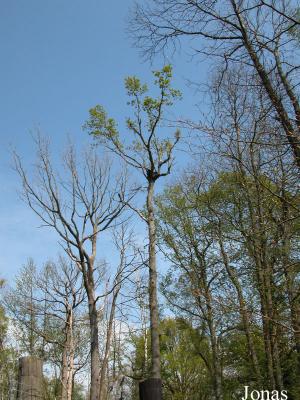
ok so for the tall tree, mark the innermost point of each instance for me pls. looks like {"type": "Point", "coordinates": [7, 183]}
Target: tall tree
{"type": "Point", "coordinates": [193, 286]}
{"type": "Point", "coordinates": [62, 292]}
{"type": "Point", "coordinates": [237, 32]}
{"type": "Point", "coordinates": [250, 143]}
{"type": "Point", "coordinates": [129, 262]}
{"type": "Point", "coordinates": [151, 154]}
{"type": "Point", "coordinates": [79, 208]}
{"type": "Point", "coordinates": [21, 303]}
{"type": "Point", "coordinates": [227, 275]}
{"type": "Point", "coordinates": [45, 316]}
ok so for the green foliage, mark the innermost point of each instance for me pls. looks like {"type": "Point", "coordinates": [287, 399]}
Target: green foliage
{"type": "Point", "coordinates": [191, 218]}
{"type": "Point", "coordinates": [143, 148]}
{"type": "Point", "coordinates": [183, 371]}
{"type": "Point", "coordinates": [134, 87]}
{"type": "Point", "coordinates": [101, 126]}
{"type": "Point", "coordinates": [52, 390]}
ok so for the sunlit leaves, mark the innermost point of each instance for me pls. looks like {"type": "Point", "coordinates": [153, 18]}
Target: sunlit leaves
{"type": "Point", "coordinates": [147, 146]}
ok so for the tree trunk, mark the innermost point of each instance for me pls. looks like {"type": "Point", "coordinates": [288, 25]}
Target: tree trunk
{"type": "Point", "coordinates": [290, 276]}
{"type": "Point", "coordinates": [102, 394]}
{"type": "Point", "coordinates": [155, 349]}
{"type": "Point", "coordinates": [292, 134]}
{"type": "Point", "coordinates": [216, 361]}
{"type": "Point", "coordinates": [68, 360]}
{"type": "Point", "coordinates": [87, 267]}
{"type": "Point", "coordinates": [258, 249]}
{"type": "Point", "coordinates": [243, 312]}
{"type": "Point", "coordinates": [94, 347]}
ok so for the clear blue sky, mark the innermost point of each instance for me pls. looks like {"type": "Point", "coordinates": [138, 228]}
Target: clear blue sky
{"type": "Point", "coordinates": [59, 58]}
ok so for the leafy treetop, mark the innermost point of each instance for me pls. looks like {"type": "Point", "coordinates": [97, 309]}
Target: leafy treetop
{"type": "Point", "coordinates": [147, 151]}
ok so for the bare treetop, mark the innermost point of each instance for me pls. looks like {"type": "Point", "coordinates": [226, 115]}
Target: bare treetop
{"type": "Point", "coordinates": [161, 23]}
{"type": "Point", "coordinates": [261, 35]}
{"type": "Point", "coordinates": [81, 204]}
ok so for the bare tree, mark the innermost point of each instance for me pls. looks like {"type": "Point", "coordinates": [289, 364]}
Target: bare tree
{"type": "Point", "coordinates": [63, 293]}
{"type": "Point", "coordinates": [129, 262]}
{"type": "Point", "coordinates": [266, 196]}
{"type": "Point", "coordinates": [21, 303]}
{"type": "Point", "coordinates": [44, 308]}
{"type": "Point", "coordinates": [152, 156]}
{"type": "Point", "coordinates": [79, 208]}
{"type": "Point", "coordinates": [255, 33]}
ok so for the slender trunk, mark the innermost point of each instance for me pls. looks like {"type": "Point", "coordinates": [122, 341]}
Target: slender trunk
{"type": "Point", "coordinates": [71, 360]}
{"type": "Point", "coordinates": [206, 308]}
{"type": "Point", "coordinates": [103, 371]}
{"type": "Point", "coordinates": [87, 265]}
{"type": "Point", "coordinates": [145, 359]}
{"type": "Point", "coordinates": [292, 134]}
{"type": "Point", "coordinates": [256, 244]}
{"type": "Point", "coordinates": [217, 379]}
{"type": "Point", "coordinates": [68, 360]}
{"type": "Point", "coordinates": [244, 314]}
{"type": "Point", "coordinates": [290, 278]}
{"type": "Point", "coordinates": [155, 349]}
{"type": "Point", "coordinates": [267, 268]}
{"type": "Point", "coordinates": [64, 373]}
{"type": "Point", "coordinates": [294, 306]}
{"type": "Point", "coordinates": [216, 361]}
{"type": "Point", "coordinates": [70, 378]}
{"type": "Point", "coordinates": [94, 347]}
{"type": "Point", "coordinates": [272, 326]}
{"type": "Point", "coordinates": [256, 250]}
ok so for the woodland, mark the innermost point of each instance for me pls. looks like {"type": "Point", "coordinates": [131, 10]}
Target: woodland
{"type": "Point", "coordinates": [199, 287]}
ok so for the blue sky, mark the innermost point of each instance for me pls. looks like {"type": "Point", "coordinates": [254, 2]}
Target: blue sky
{"type": "Point", "coordinates": [58, 59]}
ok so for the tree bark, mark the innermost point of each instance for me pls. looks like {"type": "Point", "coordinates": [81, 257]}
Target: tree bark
{"type": "Point", "coordinates": [103, 371]}
{"type": "Point", "coordinates": [291, 286]}
{"type": "Point", "coordinates": [216, 361]}
{"type": "Point", "coordinates": [94, 347]}
{"type": "Point", "coordinates": [88, 276]}
{"type": "Point", "coordinates": [68, 360]}
{"type": "Point", "coordinates": [264, 275]}
{"type": "Point", "coordinates": [205, 305]}
{"type": "Point", "coordinates": [155, 349]}
{"type": "Point", "coordinates": [291, 134]}
{"type": "Point", "coordinates": [243, 312]}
